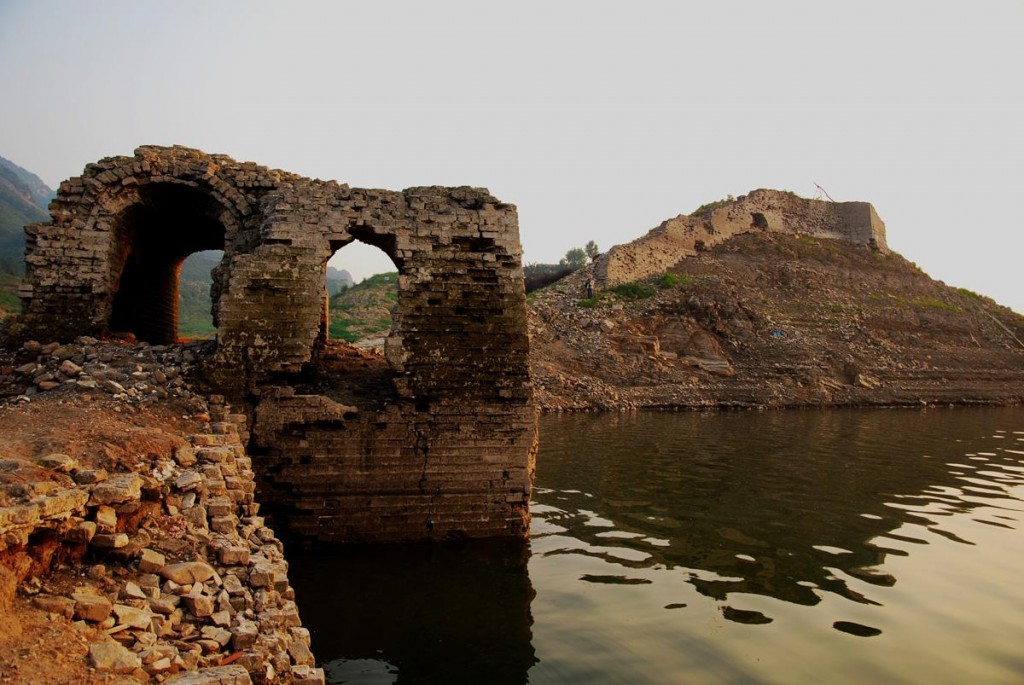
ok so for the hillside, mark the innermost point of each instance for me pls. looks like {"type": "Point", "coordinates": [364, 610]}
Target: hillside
{"type": "Point", "coordinates": [23, 200]}
{"type": "Point", "coordinates": [772, 320]}
{"type": "Point", "coordinates": [195, 319]}
{"type": "Point", "coordinates": [9, 302]}
{"type": "Point", "coordinates": [363, 312]}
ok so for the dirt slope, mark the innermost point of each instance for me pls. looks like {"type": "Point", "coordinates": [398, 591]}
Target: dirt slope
{"type": "Point", "coordinates": [775, 320]}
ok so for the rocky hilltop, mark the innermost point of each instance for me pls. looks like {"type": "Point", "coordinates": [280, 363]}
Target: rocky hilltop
{"type": "Point", "coordinates": [769, 300]}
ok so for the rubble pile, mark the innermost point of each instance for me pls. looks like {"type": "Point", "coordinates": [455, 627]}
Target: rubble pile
{"type": "Point", "coordinates": [133, 373]}
{"type": "Point", "coordinates": [165, 563]}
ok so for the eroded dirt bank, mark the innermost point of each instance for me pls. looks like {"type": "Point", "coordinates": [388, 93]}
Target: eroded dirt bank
{"type": "Point", "coordinates": [772, 320]}
{"type": "Point", "coordinates": [131, 545]}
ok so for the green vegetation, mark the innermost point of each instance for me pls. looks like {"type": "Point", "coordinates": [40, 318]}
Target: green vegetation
{"type": "Point", "coordinates": [579, 257]}
{"type": "Point", "coordinates": [195, 319]}
{"type": "Point", "coordinates": [922, 302]}
{"type": "Point", "coordinates": [9, 302]}
{"type": "Point", "coordinates": [670, 280]}
{"type": "Point", "coordinates": [575, 258]}
{"type": "Point", "coordinates": [23, 200]}
{"type": "Point", "coordinates": [933, 303]}
{"type": "Point", "coordinates": [970, 293]}
{"type": "Point", "coordinates": [711, 206]}
{"type": "Point", "coordinates": [363, 311]}
{"type": "Point", "coordinates": [633, 291]}
{"type": "Point", "coordinates": [339, 330]}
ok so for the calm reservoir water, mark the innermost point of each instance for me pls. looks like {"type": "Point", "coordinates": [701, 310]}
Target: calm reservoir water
{"type": "Point", "coordinates": [840, 546]}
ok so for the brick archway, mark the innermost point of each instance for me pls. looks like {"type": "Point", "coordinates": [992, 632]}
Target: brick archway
{"type": "Point", "coordinates": [150, 240]}
{"type": "Point", "coordinates": [450, 453]}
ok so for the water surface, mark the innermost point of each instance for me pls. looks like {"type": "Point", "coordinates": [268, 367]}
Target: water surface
{"type": "Point", "coordinates": [837, 546]}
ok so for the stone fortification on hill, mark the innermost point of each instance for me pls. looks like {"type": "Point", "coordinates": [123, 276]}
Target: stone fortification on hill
{"type": "Point", "coordinates": [769, 301]}
{"type": "Point", "coordinates": [761, 211]}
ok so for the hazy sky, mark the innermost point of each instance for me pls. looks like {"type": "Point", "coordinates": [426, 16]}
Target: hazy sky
{"type": "Point", "coordinates": [598, 119]}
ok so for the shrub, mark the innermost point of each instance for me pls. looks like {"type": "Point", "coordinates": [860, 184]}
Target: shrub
{"type": "Point", "coordinates": [633, 291]}
{"type": "Point", "coordinates": [673, 280]}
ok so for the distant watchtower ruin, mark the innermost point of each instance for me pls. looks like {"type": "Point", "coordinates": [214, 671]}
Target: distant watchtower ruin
{"type": "Point", "coordinates": [760, 211]}
{"type": "Point", "coordinates": [434, 440]}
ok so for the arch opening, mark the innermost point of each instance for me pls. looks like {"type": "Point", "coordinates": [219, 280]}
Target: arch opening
{"type": "Point", "coordinates": [195, 304]}
{"type": "Point", "coordinates": [359, 319]}
{"type": "Point", "coordinates": [153, 237]}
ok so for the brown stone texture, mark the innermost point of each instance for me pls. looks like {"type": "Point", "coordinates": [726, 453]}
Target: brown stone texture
{"type": "Point", "coordinates": [760, 211]}
{"type": "Point", "coordinates": [435, 440]}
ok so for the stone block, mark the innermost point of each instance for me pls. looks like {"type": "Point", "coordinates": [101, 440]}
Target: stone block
{"type": "Point", "coordinates": [91, 607]}
{"type": "Point", "coordinates": [108, 656]}
{"type": "Point", "coordinates": [200, 606]}
{"type": "Point", "coordinates": [151, 561]}
{"type": "Point", "coordinates": [106, 519]}
{"type": "Point", "coordinates": [83, 532]}
{"type": "Point", "coordinates": [110, 540]}
{"type": "Point", "coordinates": [55, 604]}
{"type": "Point", "coordinates": [188, 572]}
{"type": "Point", "coordinates": [117, 489]}
{"type": "Point", "coordinates": [233, 556]}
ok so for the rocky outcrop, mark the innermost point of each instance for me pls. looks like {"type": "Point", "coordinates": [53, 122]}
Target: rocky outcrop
{"type": "Point", "coordinates": [774, 320]}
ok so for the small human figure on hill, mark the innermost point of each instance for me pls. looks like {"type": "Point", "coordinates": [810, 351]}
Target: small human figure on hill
{"type": "Point", "coordinates": [589, 288]}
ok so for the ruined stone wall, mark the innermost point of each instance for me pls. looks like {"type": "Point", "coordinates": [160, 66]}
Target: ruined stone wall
{"type": "Point", "coordinates": [446, 450]}
{"type": "Point", "coordinates": [75, 262]}
{"type": "Point", "coordinates": [453, 454]}
{"type": "Point", "coordinates": [761, 210]}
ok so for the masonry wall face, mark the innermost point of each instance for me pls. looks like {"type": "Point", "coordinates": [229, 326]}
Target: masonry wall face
{"type": "Point", "coordinates": [447, 451]}
{"type": "Point", "coordinates": [761, 210]}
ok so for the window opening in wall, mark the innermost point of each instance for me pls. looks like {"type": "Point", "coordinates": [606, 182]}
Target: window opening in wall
{"type": "Point", "coordinates": [360, 306]}
{"type": "Point", "coordinates": [362, 295]}
{"type": "Point", "coordinates": [154, 236]}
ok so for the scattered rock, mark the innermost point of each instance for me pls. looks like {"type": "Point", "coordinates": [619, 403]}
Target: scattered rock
{"type": "Point", "coordinates": [188, 572]}
{"type": "Point", "coordinates": [91, 607]}
{"type": "Point", "coordinates": [111, 657]}
{"type": "Point", "coordinates": [221, 675]}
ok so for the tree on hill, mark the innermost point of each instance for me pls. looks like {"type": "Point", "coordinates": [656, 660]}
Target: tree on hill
{"type": "Point", "coordinates": [575, 258]}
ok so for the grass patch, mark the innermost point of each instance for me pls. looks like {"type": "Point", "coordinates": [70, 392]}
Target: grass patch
{"type": "Point", "coordinates": [587, 302]}
{"type": "Point", "coordinates": [10, 302]}
{"type": "Point", "coordinates": [916, 303]}
{"type": "Point", "coordinates": [633, 291]}
{"type": "Point", "coordinates": [339, 330]}
{"type": "Point", "coordinates": [934, 303]}
{"type": "Point", "coordinates": [673, 280]}
{"type": "Point", "coordinates": [970, 293]}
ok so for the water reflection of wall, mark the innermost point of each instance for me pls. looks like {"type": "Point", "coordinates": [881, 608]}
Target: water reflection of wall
{"type": "Point", "coordinates": [430, 614]}
{"type": "Point", "coordinates": [769, 503]}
